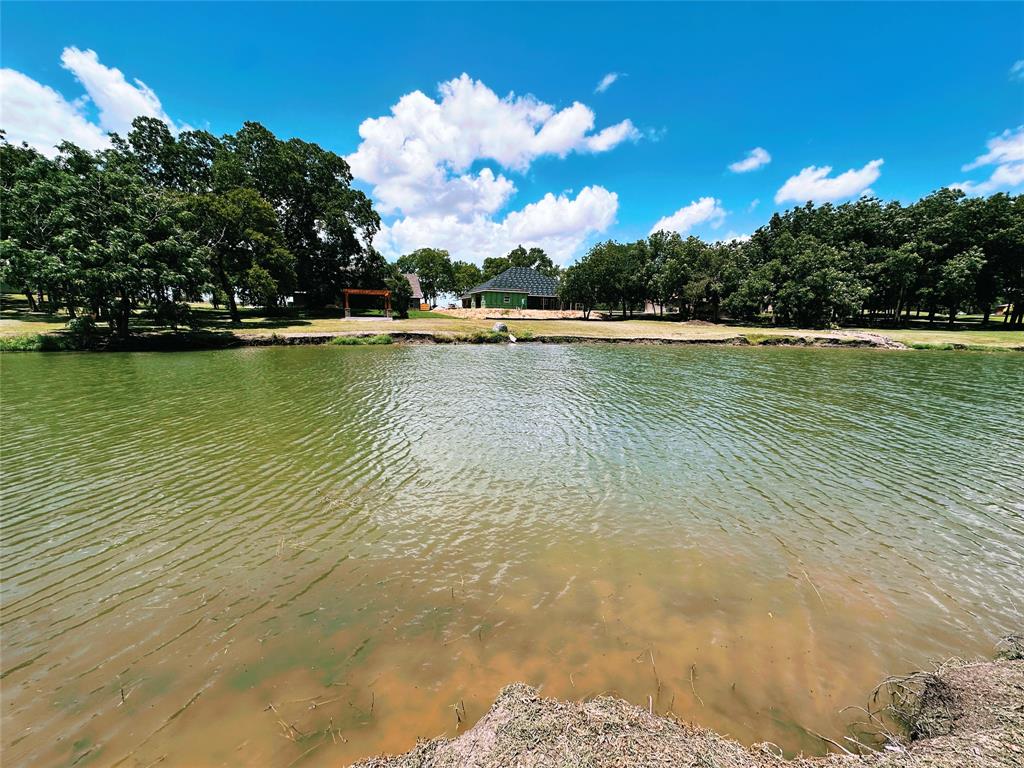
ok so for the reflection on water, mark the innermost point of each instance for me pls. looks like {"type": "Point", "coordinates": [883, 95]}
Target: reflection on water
{"type": "Point", "coordinates": [264, 556]}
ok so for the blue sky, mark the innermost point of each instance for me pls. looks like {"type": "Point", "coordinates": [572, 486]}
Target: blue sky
{"type": "Point", "coordinates": [927, 89]}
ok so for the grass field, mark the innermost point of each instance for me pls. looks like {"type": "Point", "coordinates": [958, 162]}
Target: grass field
{"type": "Point", "coordinates": [16, 320]}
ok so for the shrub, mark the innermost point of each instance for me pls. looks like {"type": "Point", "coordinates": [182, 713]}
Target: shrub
{"type": "Point", "coordinates": [38, 342]}
{"type": "Point", "coordinates": [361, 341]}
{"type": "Point", "coordinates": [30, 343]}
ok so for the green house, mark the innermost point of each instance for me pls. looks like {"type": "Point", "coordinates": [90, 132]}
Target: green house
{"type": "Point", "coordinates": [515, 288]}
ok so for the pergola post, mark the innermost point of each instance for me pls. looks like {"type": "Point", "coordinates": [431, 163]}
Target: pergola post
{"type": "Point", "coordinates": [348, 312]}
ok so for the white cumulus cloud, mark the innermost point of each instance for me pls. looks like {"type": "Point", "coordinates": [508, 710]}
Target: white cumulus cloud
{"type": "Point", "coordinates": [755, 158]}
{"type": "Point", "coordinates": [418, 159]}
{"type": "Point", "coordinates": [1006, 153]}
{"type": "Point", "coordinates": [706, 210]}
{"type": "Point", "coordinates": [738, 237]}
{"type": "Point", "coordinates": [559, 224]}
{"type": "Point", "coordinates": [428, 163]}
{"type": "Point", "coordinates": [814, 183]}
{"type": "Point", "coordinates": [118, 101]}
{"type": "Point", "coordinates": [606, 82]}
{"type": "Point", "coordinates": [40, 116]}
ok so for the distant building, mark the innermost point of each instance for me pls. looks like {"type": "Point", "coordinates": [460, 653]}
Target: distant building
{"type": "Point", "coordinates": [515, 288]}
{"type": "Point", "coordinates": [416, 300]}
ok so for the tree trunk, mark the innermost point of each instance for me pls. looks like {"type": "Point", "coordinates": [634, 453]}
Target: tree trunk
{"type": "Point", "coordinates": [123, 315]}
{"type": "Point", "coordinates": [952, 317]}
{"type": "Point", "coordinates": [229, 292]}
{"type": "Point", "coordinates": [31, 300]}
{"type": "Point", "coordinates": [233, 309]}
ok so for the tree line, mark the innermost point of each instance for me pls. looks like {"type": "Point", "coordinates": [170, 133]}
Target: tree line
{"type": "Point", "coordinates": [825, 265]}
{"type": "Point", "coordinates": [157, 220]}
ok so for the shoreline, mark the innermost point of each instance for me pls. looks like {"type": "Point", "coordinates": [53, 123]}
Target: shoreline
{"type": "Point", "coordinates": [962, 715]}
{"type": "Point", "coordinates": [213, 340]}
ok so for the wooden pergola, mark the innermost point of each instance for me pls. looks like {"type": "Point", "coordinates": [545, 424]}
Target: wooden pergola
{"type": "Point", "coordinates": [385, 294]}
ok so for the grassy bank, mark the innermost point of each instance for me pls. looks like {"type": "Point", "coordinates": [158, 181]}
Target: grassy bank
{"type": "Point", "coordinates": [22, 330]}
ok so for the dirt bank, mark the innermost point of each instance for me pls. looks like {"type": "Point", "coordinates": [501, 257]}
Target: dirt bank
{"type": "Point", "coordinates": [824, 339]}
{"type": "Point", "coordinates": [963, 715]}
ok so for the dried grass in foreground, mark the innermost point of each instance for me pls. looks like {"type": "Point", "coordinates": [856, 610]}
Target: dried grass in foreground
{"type": "Point", "coordinates": [963, 715]}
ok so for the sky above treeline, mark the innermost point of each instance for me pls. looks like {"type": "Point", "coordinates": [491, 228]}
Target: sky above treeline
{"type": "Point", "coordinates": [477, 127]}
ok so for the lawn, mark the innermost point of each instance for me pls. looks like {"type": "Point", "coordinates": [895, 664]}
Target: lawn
{"type": "Point", "coordinates": [17, 320]}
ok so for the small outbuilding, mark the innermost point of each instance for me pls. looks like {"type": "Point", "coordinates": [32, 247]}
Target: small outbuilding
{"type": "Point", "coordinates": [416, 301]}
{"type": "Point", "coordinates": [515, 288]}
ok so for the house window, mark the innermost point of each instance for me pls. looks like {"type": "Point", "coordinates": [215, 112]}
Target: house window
{"type": "Point", "coordinates": [505, 298]}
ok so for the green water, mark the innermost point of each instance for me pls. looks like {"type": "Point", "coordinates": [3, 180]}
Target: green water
{"type": "Point", "coordinates": [363, 538]}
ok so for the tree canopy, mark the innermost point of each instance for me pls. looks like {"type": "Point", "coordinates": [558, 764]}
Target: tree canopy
{"type": "Point", "coordinates": [434, 268]}
{"type": "Point", "coordinates": [159, 220]}
{"type": "Point", "coordinates": [825, 265]}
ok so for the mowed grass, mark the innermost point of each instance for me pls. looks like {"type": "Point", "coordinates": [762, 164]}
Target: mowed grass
{"type": "Point", "coordinates": [987, 337]}
{"type": "Point", "coordinates": [17, 321]}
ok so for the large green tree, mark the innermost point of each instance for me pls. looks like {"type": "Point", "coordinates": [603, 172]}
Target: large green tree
{"type": "Point", "coordinates": [433, 266]}
{"type": "Point", "coordinates": [534, 258]}
{"type": "Point", "coordinates": [958, 280]}
{"type": "Point", "coordinates": [245, 247]}
{"type": "Point", "coordinates": [467, 275]}
{"type": "Point", "coordinates": [326, 224]}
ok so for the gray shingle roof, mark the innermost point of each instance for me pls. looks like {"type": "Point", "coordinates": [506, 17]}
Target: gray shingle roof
{"type": "Point", "coordinates": [520, 280]}
{"type": "Point", "coordinates": [414, 283]}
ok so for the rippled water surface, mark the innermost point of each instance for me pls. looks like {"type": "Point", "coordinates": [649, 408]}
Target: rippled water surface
{"type": "Point", "coordinates": [306, 556]}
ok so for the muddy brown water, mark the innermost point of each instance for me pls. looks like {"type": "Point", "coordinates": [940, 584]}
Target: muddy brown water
{"type": "Point", "coordinates": [306, 556]}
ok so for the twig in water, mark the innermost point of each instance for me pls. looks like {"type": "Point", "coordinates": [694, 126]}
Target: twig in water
{"type": "Point", "coordinates": [316, 704]}
{"type": "Point", "coordinates": [300, 757]}
{"type": "Point", "coordinates": [460, 716]}
{"type": "Point", "coordinates": [693, 688]}
{"type": "Point", "coordinates": [826, 738]}
{"type": "Point", "coordinates": [814, 588]}
{"type": "Point", "coordinates": [655, 668]}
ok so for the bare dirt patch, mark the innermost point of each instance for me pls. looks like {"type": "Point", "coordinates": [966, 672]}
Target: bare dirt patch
{"type": "Point", "coordinates": [512, 314]}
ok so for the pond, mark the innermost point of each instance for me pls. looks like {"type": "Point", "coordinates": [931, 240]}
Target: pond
{"type": "Point", "coordinates": [309, 555]}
